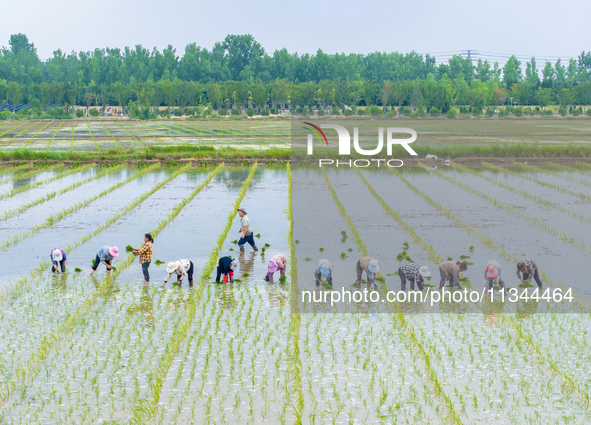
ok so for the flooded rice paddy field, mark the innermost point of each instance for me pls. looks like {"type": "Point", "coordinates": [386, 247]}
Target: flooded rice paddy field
{"type": "Point", "coordinates": [110, 348]}
{"type": "Point", "coordinates": [126, 134]}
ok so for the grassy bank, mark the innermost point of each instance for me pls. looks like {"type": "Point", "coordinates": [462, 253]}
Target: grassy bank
{"type": "Point", "coordinates": [225, 154]}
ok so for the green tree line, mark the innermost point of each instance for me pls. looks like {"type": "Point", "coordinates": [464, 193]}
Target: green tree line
{"type": "Point", "coordinates": [238, 72]}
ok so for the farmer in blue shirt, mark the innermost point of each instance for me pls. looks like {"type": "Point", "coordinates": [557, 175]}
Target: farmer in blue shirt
{"type": "Point", "coordinates": [105, 255]}
{"type": "Point", "coordinates": [58, 256]}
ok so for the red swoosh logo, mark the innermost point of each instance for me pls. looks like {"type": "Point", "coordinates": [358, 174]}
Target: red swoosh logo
{"type": "Point", "coordinates": [321, 132]}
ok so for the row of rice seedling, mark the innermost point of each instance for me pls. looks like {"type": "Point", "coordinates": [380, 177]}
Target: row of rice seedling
{"type": "Point", "coordinates": [98, 148]}
{"type": "Point", "coordinates": [22, 208]}
{"type": "Point", "coordinates": [64, 172]}
{"type": "Point", "coordinates": [19, 134]}
{"type": "Point", "coordinates": [294, 371]}
{"type": "Point", "coordinates": [37, 132]}
{"type": "Point", "coordinates": [450, 415]}
{"type": "Point", "coordinates": [551, 230]}
{"type": "Point", "coordinates": [23, 282]}
{"type": "Point", "coordinates": [146, 133]}
{"type": "Point", "coordinates": [72, 136]}
{"type": "Point", "coordinates": [154, 128]}
{"type": "Point", "coordinates": [156, 337]}
{"type": "Point", "coordinates": [54, 219]}
{"type": "Point", "coordinates": [360, 368]}
{"type": "Point", "coordinates": [248, 382]}
{"type": "Point", "coordinates": [112, 137]}
{"type": "Point", "coordinates": [14, 128]}
{"type": "Point", "coordinates": [567, 379]}
{"type": "Point", "coordinates": [14, 169]}
{"type": "Point", "coordinates": [53, 136]}
{"type": "Point", "coordinates": [53, 338]}
{"type": "Point", "coordinates": [129, 134]}
{"type": "Point", "coordinates": [491, 372]}
{"type": "Point", "coordinates": [537, 199]}
{"type": "Point", "coordinates": [233, 367]}
{"type": "Point", "coordinates": [554, 173]}
{"type": "Point", "coordinates": [146, 408]}
{"type": "Point", "coordinates": [552, 186]}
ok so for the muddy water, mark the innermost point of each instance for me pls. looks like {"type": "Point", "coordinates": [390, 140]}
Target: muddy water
{"type": "Point", "coordinates": [10, 182]}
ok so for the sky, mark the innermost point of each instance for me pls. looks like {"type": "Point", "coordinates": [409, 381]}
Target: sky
{"type": "Point", "coordinates": [543, 28]}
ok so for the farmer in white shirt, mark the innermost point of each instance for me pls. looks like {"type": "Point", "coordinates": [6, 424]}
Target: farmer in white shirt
{"type": "Point", "coordinates": [181, 268]}
{"type": "Point", "coordinates": [246, 230]}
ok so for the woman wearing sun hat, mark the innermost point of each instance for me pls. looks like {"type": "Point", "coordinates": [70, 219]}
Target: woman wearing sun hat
{"type": "Point", "coordinates": [493, 275]}
{"type": "Point", "coordinates": [371, 268]}
{"type": "Point", "coordinates": [323, 271]}
{"type": "Point", "coordinates": [105, 255]}
{"type": "Point", "coordinates": [277, 262]}
{"type": "Point", "coordinates": [58, 256]}
{"type": "Point", "coordinates": [413, 273]}
{"type": "Point", "coordinates": [181, 268]}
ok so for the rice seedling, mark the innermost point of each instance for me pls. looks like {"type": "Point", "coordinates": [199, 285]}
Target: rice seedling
{"type": "Point", "coordinates": [119, 145]}
{"type": "Point", "coordinates": [37, 132]}
{"type": "Point", "coordinates": [128, 248]}
{"type": "Point", "coordinates": [343, 256]}
{"type": "Point", "coordinates": [13, 128]}
{"type": "Point", "coordinates": [146, 408]}
{"type": "Point", "coordinates": [245, 274]}
{"type": "Point", "coordinates": [258, 235]}
{"type": "Point", "coordinates": [18, 134]}
{"type": "Point", "coordinates": [297, 241]}
{"type": "Point", "coordinates": [26, 187]}
{"type": "Point", "coordinates": [471, 249]}
{"type": "Point", "coordinates": [59, 176]}
{"type": "Point", "coordinates": [350, 250]}
{"type": "Point", "coordinates": [158, 262]}
{"type": "Point", "coordinates": [525, 194]}
{"type": "Point", "coordinates": [67, 211]}
{"type": "Point", "coordinates": [321, 249]}
{"type": "Point", "coordinates": [53, 136]}
{"type": "Point", "coordinates": [424, 245]}
{"type": "Point", "coordinates": [515, 212]}
{"type": "Point", "coordinates": [77, 269]}
{"type": "Point", "coordinates": [553, 186]}
{"type": "Point", "coordinates": [307, 259]}
{"type": "Point", "coordinates": [130, 134]}
{"type": "Point", "coordinates": [98, 148]}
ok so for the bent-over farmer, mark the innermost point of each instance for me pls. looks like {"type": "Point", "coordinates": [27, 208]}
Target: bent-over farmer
{"type": "Point", "coordinates": [371, 268]}
{"type": "Point", "coordinates": [323, 271]}
{"type": "Point", "coordinates": [277, 262]}
{"type": "Point", "coordinates": [246, 230]}
{"type": "Point", "coordinates": [450, 270]}
{"type": "Point", "coordinates": [413, 273]}
{"type": "Point", "coordinates": [105, 255]}
{"type": "Point", "coordinates": [528, 268]}
{"type": "Point", "coordinates": [226, 267]}
{"type": "Point", "coordinates": [181, 268]}
{"type": "Point", "coordinates": [58, 257]}
{"type": "Point", "coordinates": [493, 275]}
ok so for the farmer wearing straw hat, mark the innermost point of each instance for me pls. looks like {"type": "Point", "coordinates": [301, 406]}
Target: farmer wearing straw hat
{"type": "Point", "coordinates": [323, 271]}
{"type": "Point", "coordinates": [246, 230]}
{"type": "Point", "coordinates": [277, 262]}
{"type": "Point", "coordinates": [493, 275]}
{"type": "Point", "coordinates": [450, 270]}
{"type": "Point", "coordinates": [529, 269]}
{"type": "Point", "coordinates": [58, 256]}
{"type": "Point", "coordinates": [105, 255]}
{"type": "Point", "coordinates": [181, 268]}
{"type": "Point", "coordinates": [371, 268]}
{"type": "Point", "coordinates": [413, 273]}
{"type": "Point", "coordinates": [226, 267]}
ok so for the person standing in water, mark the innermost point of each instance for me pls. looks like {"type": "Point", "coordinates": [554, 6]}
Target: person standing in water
{"type": "Point", "coordinates": [105, 255]}
{"type": "Point", "coordinates": [145, 253]}
{"type": "Point", "coordinates": [246, 230]}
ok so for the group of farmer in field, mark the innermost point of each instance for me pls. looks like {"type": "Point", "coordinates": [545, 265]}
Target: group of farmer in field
{"type": "Point", "coordinates": [416, 273]}
{"type": "Point", "coordinates": [412, 272]}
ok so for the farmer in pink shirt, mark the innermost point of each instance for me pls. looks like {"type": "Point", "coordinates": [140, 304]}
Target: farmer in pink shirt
{"type": "Point", "coordinates": [277, 262]}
